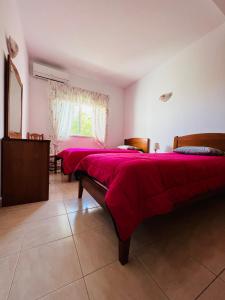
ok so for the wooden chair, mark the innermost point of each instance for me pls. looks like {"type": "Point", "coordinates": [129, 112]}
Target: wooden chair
{"type": "Point", "coordinates": [53, 160]}
{"type": "Point", "coordinates": [35, 136]}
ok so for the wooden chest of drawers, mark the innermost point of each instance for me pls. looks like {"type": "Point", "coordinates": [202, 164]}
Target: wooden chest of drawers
{"type": "Point", "coordinates": [25, 174]}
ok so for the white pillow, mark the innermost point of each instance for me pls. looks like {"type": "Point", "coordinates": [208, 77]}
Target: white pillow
{"type": "Point", "coordinates": [127, 147]}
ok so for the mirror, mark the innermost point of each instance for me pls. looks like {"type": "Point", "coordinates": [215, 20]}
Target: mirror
{"type": "Point", "coordinates": [14, 95]}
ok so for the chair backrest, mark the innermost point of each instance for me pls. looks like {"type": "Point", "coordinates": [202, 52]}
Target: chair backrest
{"type": "Point", "coordinates": [35, 136]}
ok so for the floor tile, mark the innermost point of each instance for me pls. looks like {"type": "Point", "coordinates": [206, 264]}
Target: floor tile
{"type": "Point", "coordinates": [58, 178]}
{"type": "Point", "coordinates": [74, 291]}
{"type": "Point", "coordinates": [10, 241]}
{"type": "Point", "coordinates": [7, 268]}
{"type": "Point", "coordinates": [216, 291]}
{"type": "Point", "coordinates": [13, 218]}
{"type": "Point", "coordinates": [208, 247]}
{"type": "Point", "coordinates": [179, 276]}
{"type": "Point", "coordinates": [70, 188]}
{"type": "Point", "coordinates": [141, 237]}
{"type": "Point", "coordinates": [117, 282]}
{"type": "Point", "coordinates": [44, 269]}
{"type": "Point", "coordinates": [73, 205]}
{"type": "Point", "coordinates": [70, 192]}
{"type": "Point", "coordinates": [46, 230]}
{"type": "Point", "coordinates": [59, 196]}
{"type": "Point", "coordinates": [96, 248]}
{"type": "Point", "coordinates": [46, 210]}
{"type": "Point", "coordinates": [20, 214]}
{"type": "Point", "coordinates": [54, 188]}
{"type": "Point", "coordinates": [88, 219]}
{"type": "Point", "coordinates": [56, 196]}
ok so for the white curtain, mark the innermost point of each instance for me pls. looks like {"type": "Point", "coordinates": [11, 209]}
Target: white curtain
{"type": "Point", "coordinates": [63, 101]}
{"type": "Point", "coordinates": [100, 123]}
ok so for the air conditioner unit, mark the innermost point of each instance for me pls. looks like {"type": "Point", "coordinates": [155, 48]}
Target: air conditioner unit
{"type": "Point", "coordinates": [49, 73]}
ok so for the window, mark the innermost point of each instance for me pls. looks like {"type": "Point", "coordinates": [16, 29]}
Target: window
{"type": "Point", "coordinates": [82, 122]}
{"type": "Point", "coordinates": [74, 111]}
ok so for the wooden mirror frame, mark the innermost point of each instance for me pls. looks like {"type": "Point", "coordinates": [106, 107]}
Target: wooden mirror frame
{"type": "Point", "coordinates": [8, 66]}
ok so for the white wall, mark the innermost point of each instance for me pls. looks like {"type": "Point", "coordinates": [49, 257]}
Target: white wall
{"type": "Point", "coordinates": [10, 25]}
{"type": "Point", "coordinates": [197, 79]}
{"type": "Point", "coordinates": [38, 111]}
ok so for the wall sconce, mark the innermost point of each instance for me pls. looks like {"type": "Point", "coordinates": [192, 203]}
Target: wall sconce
{"type": "Point", "coordinates": [165, 97]}
{"type": "Point", "coordinates": [156, 147]}
{"type": "Point", "coordinates": [12, 46]}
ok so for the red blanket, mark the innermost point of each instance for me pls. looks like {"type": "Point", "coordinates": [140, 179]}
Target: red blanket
{"type": "Point", "coordinates": [144, 185]}
{"type": "Point", "coordinates": [72, 156]}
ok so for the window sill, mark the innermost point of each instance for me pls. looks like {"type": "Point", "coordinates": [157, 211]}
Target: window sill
{"type": "Point", "coordinates": [82, 136]}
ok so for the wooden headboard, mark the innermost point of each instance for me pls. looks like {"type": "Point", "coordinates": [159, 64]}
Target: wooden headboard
{"type": "Point", "coordinates": [214, 140]}
{"type": "Point", "coordinates": [141, 143]}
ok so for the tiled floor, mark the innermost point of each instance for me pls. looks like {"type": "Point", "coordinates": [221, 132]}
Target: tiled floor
{"type": "Point", "coordinates": [66, 248]}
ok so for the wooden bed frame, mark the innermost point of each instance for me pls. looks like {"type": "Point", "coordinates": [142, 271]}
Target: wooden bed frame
{"type": "Point", "coordinates": [214, 140]}
{"type": "Point", "coordinates": [98, 191]}
{"type": "Point", "coordinates": [142, 144]}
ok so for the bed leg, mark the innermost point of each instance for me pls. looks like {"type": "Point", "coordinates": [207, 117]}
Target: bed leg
{"type": "Point", "coordinates": [70, 177]}
{"type": "Point", "coordinates": [124, 247]}
{"type": "Point", "coordinates": [80, 190]}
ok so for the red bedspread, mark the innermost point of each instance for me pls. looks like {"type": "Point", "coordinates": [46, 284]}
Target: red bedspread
{"type": "Point", "coordinates": [72, 156]}
{"type": "Point", "coordinates": [144, 185]}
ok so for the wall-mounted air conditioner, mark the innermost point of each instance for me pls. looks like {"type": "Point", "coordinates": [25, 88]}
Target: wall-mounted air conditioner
{"type": "Point", "coordinates": [49, 73]}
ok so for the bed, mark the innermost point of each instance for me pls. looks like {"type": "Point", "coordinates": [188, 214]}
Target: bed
{"type": "Point", "coordinates": [139, 186]}
{"type": "Point", "coordinates": [72, 156]}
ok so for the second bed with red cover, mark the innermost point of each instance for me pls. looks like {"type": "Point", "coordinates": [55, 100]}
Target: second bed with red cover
{"type": "Point", "coordinates": [72, 156]}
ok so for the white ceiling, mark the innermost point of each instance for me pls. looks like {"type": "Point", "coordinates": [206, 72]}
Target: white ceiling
{"type": "Point", "coordinates": [220, 4]}
{"type": "Point", "coordinates": [118, 41]}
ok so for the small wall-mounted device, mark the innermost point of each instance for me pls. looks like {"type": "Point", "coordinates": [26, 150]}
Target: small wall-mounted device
{"type": "Point", "coordinates": [12, 46]}
{"type": "Point", "coordinates": [165, 97]}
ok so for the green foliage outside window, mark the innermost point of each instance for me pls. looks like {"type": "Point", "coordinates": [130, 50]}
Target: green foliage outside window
{"type": "Point", "coordinates": [75, 127]}
{"type": "Point", "coordinates": [82, 122]}
{"type": "Point", "coordinates": [86, 124]}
